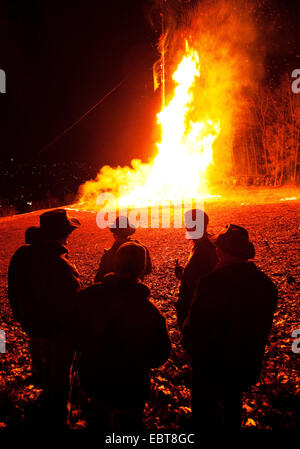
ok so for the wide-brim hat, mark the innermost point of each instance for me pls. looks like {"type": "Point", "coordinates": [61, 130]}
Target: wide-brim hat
{"type": "Point", "coordinates": [56, 223]}
{"type": "Point", "coordinates": [121, 227]}
{"type": "Point", "coordinates": [234, 240]}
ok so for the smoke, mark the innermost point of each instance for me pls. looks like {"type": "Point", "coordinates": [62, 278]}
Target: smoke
{"type": "Point", "coordinates": [231, 53]}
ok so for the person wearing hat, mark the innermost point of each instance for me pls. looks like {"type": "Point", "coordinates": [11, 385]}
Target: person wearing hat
{"type": "Point", "coordinates": [227, 330]}
{"type": "Point", "coordinates": [120, 335]}
{"type": "Point", "coordinates": [42, 286]}
{"type": "Point", "coordinates": [122, 231]}
{"type": "Point", "coordinates": [202, 260]}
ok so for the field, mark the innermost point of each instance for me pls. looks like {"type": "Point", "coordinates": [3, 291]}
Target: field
{"type": "Point", "coordinates": [273, 228]}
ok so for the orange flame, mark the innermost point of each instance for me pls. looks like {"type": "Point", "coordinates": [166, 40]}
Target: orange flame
{"type": "Point", "coordinates": [184, 153]}
{"type": "Point", "coordinates": [185, 150]}
{"type": "Point", "coordinates": [204, 114]}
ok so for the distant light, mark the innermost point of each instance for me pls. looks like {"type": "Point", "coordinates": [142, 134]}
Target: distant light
{"type": "Point", "coordinates": [29, 203]}
{"type": "Point", "coordinates": [288, 199]}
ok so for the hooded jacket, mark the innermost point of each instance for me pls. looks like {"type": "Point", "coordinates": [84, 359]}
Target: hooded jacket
{"type": "Point", "coordinates": [120, 335]}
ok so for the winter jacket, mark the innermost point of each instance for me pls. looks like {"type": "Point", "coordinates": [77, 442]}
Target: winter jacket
{"type": "Point", "coordinates": [229, 323]}
{"type": "Point", "coordinates": [107, 262]}
{"type": "Point", "coordinates": [42, 287]}
{"type": "Point", "coordinates": [201, 262]}
{"type": "Point", "coordinates": [120, 335]}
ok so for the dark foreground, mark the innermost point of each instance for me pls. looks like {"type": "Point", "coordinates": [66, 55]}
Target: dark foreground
{"type": "Point", "coordinates": [271, 404]}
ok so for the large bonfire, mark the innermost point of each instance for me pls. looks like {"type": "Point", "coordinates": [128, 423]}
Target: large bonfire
{"type": "Point", "coordinates": [206, 95]}
{"type": "Point", "coordinates": [186, 148]}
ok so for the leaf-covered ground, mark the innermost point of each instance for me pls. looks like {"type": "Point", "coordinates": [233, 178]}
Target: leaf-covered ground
{"type": "Point", "coordinates": [274, 228]}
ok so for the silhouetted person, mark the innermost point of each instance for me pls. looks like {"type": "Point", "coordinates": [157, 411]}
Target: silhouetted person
{"type": "Point", "coordinates": [42, 287]}
{"type": "Point", "coordinates": [121, 230]}
{"type": "Point", "coordinates": [202, 260]}
{"type": "Point", "coordinates": [227, 330]}
{"type": "Point", "coordinates": [120, 336]}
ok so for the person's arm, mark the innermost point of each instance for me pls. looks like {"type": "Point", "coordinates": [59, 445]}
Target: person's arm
{"type": "Point", "coordinates": [157, 345]}
{"type": "Point", "coordinates": [104, 266]}
{"type": "Point", "coordinates": [90, 318]}
{"type": "Point", "coordinates": [13, 286]}
{"type": "Point", "coordinates": [203, 326]}
{"type": "Point", "coordinates": [183, 304]}
{"type": "Point", "coordinates": [148, 267]}
{"type": "Point", "coordinates": [178, 270]}
{"type": "Point", "coordinates": [80, 322]}
{"type": "Point", "coordinates": [65, 284]}
{"type": "Point", "coordinates": [199, 265]}
{"type": "Point", "coordinates": [189, 280]}
{"type": "Point", "coordinates": [163, 344]}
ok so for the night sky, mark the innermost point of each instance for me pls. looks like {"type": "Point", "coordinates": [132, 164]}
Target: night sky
{"type": "Point", "coordinates": [61, 57]}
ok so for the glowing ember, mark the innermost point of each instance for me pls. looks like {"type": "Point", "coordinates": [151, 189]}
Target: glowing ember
{"type": "Point", "coordinates": [185, 150]}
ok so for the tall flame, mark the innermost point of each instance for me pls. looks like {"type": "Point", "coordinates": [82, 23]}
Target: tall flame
{"type": "Point", "coordinates": [192, 154]}
{"type": "Point", "coordinates": [185, 150]}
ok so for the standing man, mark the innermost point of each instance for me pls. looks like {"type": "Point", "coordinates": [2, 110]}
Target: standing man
{"type": "Point", "coordinates": [120, 336]}
{"type": "Point", "coordinates": [227, 330]}
{"type": "Point", "coordinates": [202, 260]}
{"type": "Point", "coordinates": [42, 286]}
{"type": "Point", "coordinates": [121, 230]}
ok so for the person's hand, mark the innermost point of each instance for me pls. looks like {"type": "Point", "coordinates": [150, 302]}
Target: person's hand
{"type": "Point", "coordinates": [178, 270]}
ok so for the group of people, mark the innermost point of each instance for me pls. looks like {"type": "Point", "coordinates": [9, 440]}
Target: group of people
{"type": "Point", "coordinates": [112, 335]}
